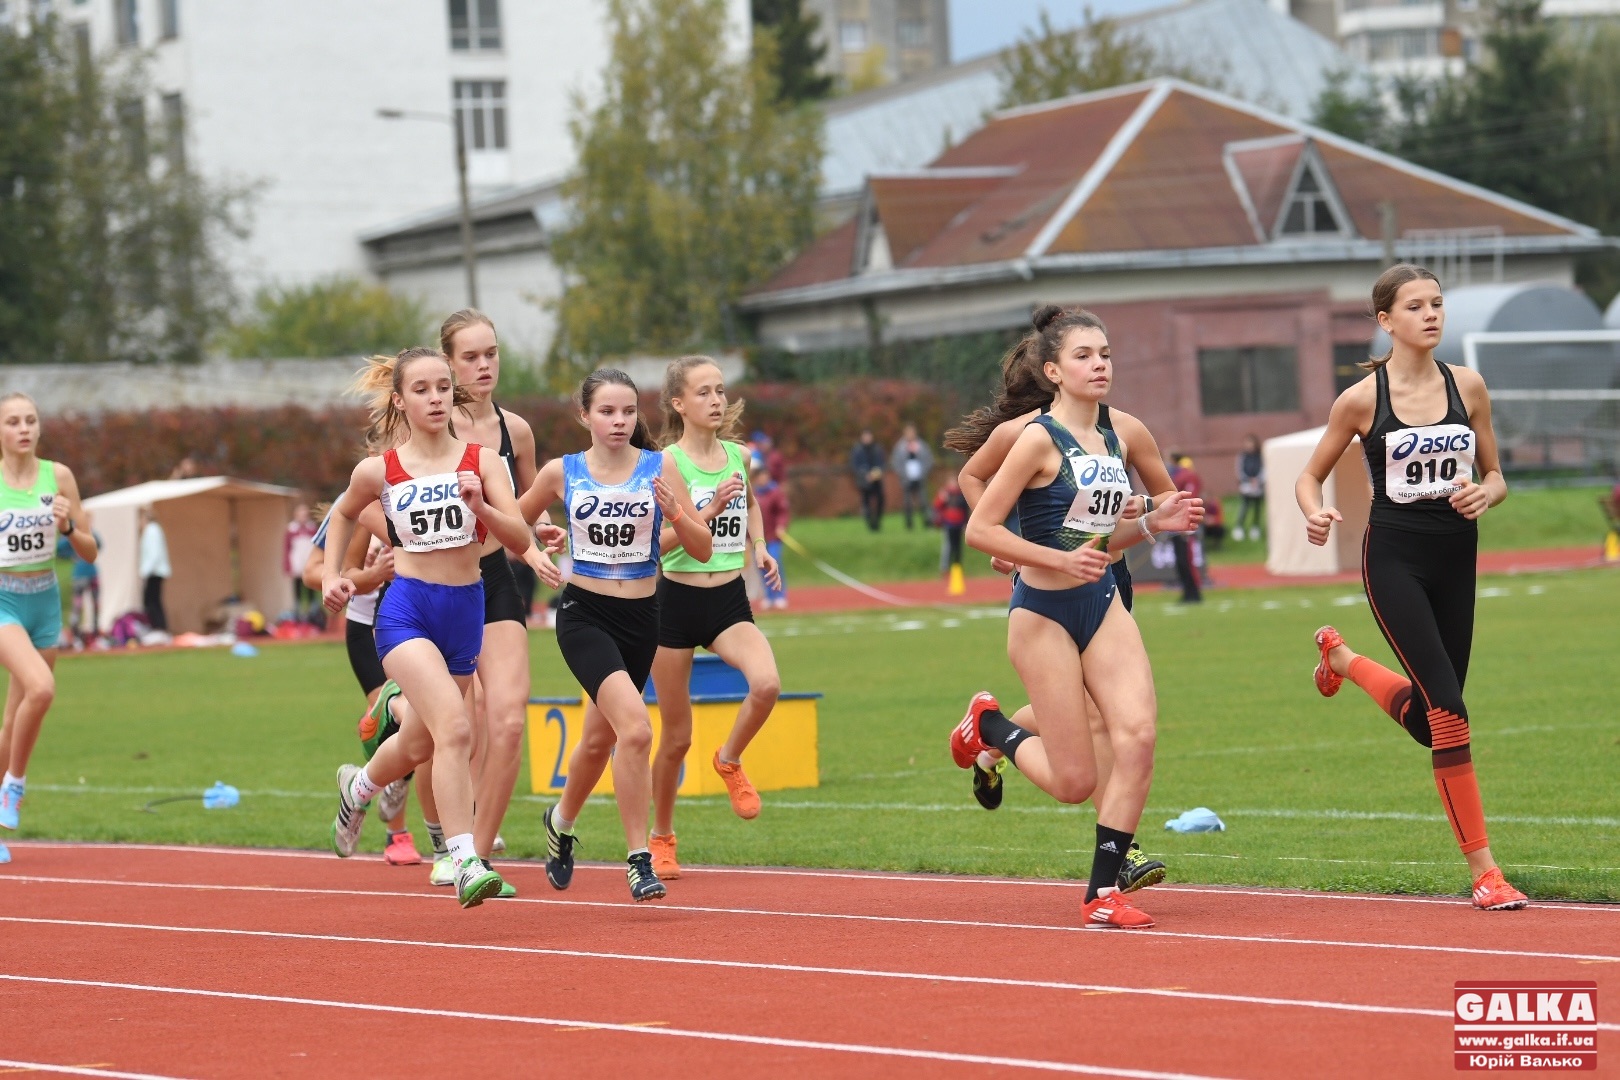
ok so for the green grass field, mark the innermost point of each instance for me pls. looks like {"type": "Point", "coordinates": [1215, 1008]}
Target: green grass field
{"type": "Point", "coordinates": [1531, 518]}
{"type": "Point", "coordinates": [1325, 794]}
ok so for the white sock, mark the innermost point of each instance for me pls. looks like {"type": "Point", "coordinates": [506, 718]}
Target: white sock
{"type": "Point", "coordinates": [363, 790]}
{"type": "Point", "coordinates": [562, 824]}
{"type": "Point", "coordinates": [639, 851]}
{"type": "Point", "coordinates": [461, 847]}
{"type": "Point", "coordinates": [987, 760]}
{"type": "Point", "coordinates": [18, 780]}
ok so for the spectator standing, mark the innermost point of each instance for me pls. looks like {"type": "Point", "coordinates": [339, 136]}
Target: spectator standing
{"type": "Point", "coordinates": [1251, 478]}
{"type": "Point", "coordinates": [951, 513]}
{"type": "Point", "coordinates": [912, 461]}
{"type": "Point", "coordinates": [1183, 476]}
{"type": "Point", "coordinates": [296, 545]}
{"type": "Point", "coordinates": [774, 462]}
{"type": "Point", "coordinates": [866, 465]}
{"type": "Point", "coordinates": [154, 569]}
{"type": "Point", "coordinates": [771, 496]}
{"type": "Point", "coordinates": [86, 588]}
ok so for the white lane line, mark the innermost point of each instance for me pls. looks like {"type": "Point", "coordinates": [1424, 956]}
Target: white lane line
{"type": "Point", "coordinates": [833, 916]}
{"type": "Point", "coordinates": [869, 973]}
{"type": "Point", "coordinates": [632, 1029]}
{"type": "Point", "coordinates": [78, 1070]}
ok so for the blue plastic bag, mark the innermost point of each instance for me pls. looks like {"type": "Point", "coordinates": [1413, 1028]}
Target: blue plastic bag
{"type": "Point", "coordinates": [1200, 819]}
{"type": "Point", "coordinates": [221, 796]}
{"type": "Point", "coordinates": [243, 649]}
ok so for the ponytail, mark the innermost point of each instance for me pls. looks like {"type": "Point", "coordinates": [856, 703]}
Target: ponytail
{"type": "Point", "coordinates": [640, 438]}
{"type": "Point", "coordinates": [380, 380]}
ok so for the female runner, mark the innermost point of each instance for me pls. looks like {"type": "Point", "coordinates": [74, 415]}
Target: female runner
{"type": "Point", "coordinates": [468, 339]}
{"type": "Point", "coordinates": [1418, 554]}
{"type": "Point", "coordinates": [616, 494]}
{"type": "Point", "coordinates": [705, 604]}
{"type": "Point", "coordinates": [39, 501]}
{"type": "Point", "coordinates": [1067, 631]}
{"type": "Point", "coordinates": [440, 496]}
{"type": "Point", "coordinates": [987, 436]}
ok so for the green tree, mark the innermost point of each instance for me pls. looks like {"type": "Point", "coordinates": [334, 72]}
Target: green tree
{"type": "Point", "coordinates": [1351, 107]}
{"type": "Point", "coordinates": [694, 182]}
{"type": "Point", "coordinates": [340, 316]}
{"type": "Point", "coordinates": [1050, 63]}
{"type": "Point", "coordinates": [799, 53]}
{"type": "Point", "coordinates": [110, 246]}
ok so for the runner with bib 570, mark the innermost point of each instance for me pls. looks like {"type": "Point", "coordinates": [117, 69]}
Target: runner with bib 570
{"type": "Point", "coordinates": [1425, 428]}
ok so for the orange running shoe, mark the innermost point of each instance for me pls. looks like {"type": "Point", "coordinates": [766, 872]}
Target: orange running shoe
{"type": "Point", "coordinates": [1493, 893]}
{"type": "Point", "coordinates": [1112, 910]}
{"type": "Point", "coordinates": [966, 742]}
{"type": "Point", "coordinates": [401, 850]}
{"type": "Point", "coordinates": [744, 799]}
{"type": "Point", "coordinates": [1327, 680]}
{"type": "Point", "coordinates": [663, 856]}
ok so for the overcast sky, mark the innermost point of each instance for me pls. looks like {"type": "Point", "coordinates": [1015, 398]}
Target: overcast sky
{"type": "Point", "coordinates": [981, 26]}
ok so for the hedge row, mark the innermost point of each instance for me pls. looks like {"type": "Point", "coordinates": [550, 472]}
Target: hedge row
{"type": "Point", "coordinates": [314, 450]}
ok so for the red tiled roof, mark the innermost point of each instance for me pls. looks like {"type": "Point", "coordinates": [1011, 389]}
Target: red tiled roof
{"type": "Point", "coordinates": [831, 257]}
{"type": "Point", "coordinates": [1419, 203]}
{"type": "Point", "coordinates": [915, 209]}
{"type": "Point", "coordinates": [1266, 171]}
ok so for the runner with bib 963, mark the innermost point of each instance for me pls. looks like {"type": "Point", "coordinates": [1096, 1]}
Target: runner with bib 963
{"type": "Point", "coordinates": [617, 495]}
{"type": "Point", "coordinates": [441, 497]}
{"type": "Point", "coordinates": [1425, 428]}
{"type": "Point", "coordinates": [39, 502]}
{"type": "Point", "coordinates": [1068, 634]}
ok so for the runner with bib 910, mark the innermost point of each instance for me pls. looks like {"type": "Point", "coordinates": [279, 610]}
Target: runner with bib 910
{"type": "Point", "coordinates": [1421, 544]}
{"type": "Point", "coordinates": [441, 497]}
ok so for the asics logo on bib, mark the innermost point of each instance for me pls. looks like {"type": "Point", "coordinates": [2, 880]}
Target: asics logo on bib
{"type": "Point", "coordinates": [24, 521]}
{"type": "Point", "coordinates": [1110, 471]}
{"type": "Point", "coordinates": [427, 494]}
{"type": "Point", "coordinates": [738, 501]}
{"type": "Point", "coordinates": [1443, 444]}
{"type": "Point", "coordinates": [593, 505]}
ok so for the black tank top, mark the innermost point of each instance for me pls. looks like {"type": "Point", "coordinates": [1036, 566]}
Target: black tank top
{"type": "Point", "coordinates": [1415, 469]}
{"type": "Point", "coordinates": [508, 454]}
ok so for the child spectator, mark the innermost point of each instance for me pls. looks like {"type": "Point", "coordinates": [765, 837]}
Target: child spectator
{"type": "Point", "coordinates": [773, 508]}
{"type": "Point", "coordinates": [951, 515]}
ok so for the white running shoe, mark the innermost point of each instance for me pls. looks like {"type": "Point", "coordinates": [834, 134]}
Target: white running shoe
{"type": "Point", "coordinates": [499, 844]}
{"type": "Point", "coordinates": [350, 816]}
{"type": "Point", "coordinates": [392, 799]}
{"type": "Point", "coordinates": [443, 872]}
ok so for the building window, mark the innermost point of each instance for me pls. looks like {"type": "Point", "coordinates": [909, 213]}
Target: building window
{"type": "Point", "coordinates": [1309, 212]}
{"type": "Point", "coordinates": [174, 131]}
{"type": "Point", "coordinates": [475, 24]}
{"type": "Point", "coordinates": [481, 114]}
{"type": "Point", "coordinates": [852, 36]}
{"type": "Point", "coordinates": [912, 33]}
{"type": "Point", "coordinates": [132, 124]}
{"type": "Point", "coordinates": [1345, 358]}
{"type": "Point", "coordinates": [169, 11]}
{"type": "Point", "coordinates": [1257, 379]}
{"type": "Point", "coordinates": [127, 22]}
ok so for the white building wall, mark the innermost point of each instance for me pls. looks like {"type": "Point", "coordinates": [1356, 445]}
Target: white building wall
{"type": "Point", "coordinates": [284, 94]}
{"type": "Point", "coordinates": [513, 290]}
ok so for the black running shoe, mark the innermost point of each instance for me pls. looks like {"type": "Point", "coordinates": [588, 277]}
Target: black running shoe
{"type": "Point", "coordinates": [1139, 871]}
{"type": "Point", "coordinates": [987, 786]}
{"type": "Point", "coordinates": [559, 853]}
{"type": "Point", "coordinates": [644, 884]}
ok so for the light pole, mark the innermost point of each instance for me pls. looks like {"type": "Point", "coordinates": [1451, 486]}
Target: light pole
{"type": "Point", "coordinates": [469, 255]}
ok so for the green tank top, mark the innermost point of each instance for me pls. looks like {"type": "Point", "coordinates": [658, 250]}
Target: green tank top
{"type": "Point", "coordinates": [27, 526]}
{"type": "Point", "coordinates": [730, 529]}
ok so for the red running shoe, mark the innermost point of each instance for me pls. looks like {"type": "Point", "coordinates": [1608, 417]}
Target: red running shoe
{"type": "Point", "coordinates": [1112, 910]}
{"type": "Point", "coordinates": [1493, 893]}
{"type": "Point", "coordinates": [966, 742]}
{"type": "Point", "coordinates": [1327, 681]}
{"type": "Point", "coordinates": [401, 850]}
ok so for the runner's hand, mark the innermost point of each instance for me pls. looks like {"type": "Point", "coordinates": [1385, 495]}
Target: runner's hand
{"type": "Point", "coordinates": [1133, 508]}
{"type": "Point", "coordinates": [1472, 501]}
{"type": "Point", "coordinates": [1002, 566]}
{"type": "Point", "coordinates": [1086, 562]}
{"type": "Point", "coordinates": [384, 564]}
{"type": "Point", "coordinates": [1319, 524]}
{"type": "Point", "coordinates": [729, 489]}
{"type": "Point", "coordinates": [1179, 512]}
{"type": "Point", "coordinates": [543, 566]}
{"type": "Point", "coordinates": [472, 491]}
{"type": "Point", "coordinates": [554, 538]}
{"type": "Point", "coordinates": [665, 496]}
{"type": "Point", "coordinates": [60, 510]}
{"type": "Point", "coordinates": [335, 592]}
{"type": "Point", "coordinates": [768, 566]}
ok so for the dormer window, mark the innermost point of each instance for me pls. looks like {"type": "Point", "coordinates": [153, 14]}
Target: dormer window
{"type": "Point", "coordinates": [1312, 207]}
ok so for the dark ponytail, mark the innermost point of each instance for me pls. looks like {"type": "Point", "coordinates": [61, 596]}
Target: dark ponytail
{"type": "Point", "coordinates": [1024, 385]}
{"type": "Point", "coordinates": [640, 438]}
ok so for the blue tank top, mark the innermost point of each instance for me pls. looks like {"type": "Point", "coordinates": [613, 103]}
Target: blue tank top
{"type": "Point", "coordinates": [613, 528]}
{"type": "Point", "coordinates": [1084, 500]}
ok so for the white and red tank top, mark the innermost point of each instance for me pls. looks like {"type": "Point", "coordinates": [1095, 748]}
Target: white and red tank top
{"type": "Point", "coordinates": [425, 513]}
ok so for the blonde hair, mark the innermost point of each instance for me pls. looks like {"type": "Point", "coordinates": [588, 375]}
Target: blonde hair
{"type": "Point", "coordinates": [456, 323]}
{"type": "Point", "coordinates": [675, 386]}
{"type": "Point", "coordinates": [381, 379]}
{"type": "Point", "coordinates": [1384, 291]}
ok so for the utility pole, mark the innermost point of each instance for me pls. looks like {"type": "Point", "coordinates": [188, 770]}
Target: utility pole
{"type": "Point", "coordinates": [469, 252]}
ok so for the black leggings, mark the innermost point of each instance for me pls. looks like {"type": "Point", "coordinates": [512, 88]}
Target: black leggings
{"type": "Point", "coordinates": [1421, 588]}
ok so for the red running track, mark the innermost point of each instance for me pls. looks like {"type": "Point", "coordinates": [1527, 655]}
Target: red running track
{"type": "Point", "coordinates": [192, 962]}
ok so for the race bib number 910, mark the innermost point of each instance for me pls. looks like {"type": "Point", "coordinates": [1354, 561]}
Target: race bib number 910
{"type": "Point", "coordinates": [1428, 462]}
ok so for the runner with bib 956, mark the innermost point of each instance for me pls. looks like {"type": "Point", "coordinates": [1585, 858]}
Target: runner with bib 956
{"type": "Point", "coordinates": [1425, 428]}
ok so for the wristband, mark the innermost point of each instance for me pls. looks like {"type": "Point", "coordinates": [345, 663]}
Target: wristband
{"type": "Point", "coordinates": [70, 527]}
{"type": "Point", "coordinates": [1147, 532]}
{"type": "Point", "coordinates": [676, 516]}
{"type": "Point", "coordinates": [1147, 505]}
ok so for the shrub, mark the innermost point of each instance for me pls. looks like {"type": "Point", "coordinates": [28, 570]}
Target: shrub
{"type": "Point", "coordinates": [338, 316]}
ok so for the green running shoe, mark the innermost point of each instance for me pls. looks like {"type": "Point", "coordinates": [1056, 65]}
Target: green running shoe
{"type": "Point", "coordinates": [378, 723]}
{"type": "Point", "coordinates": [508, 890]}
{"type": "Point", "coordinates": [443, 872]}
{"type": "Point", "coordinates": [476, 883]}
{"type": "Point", "coordinates": [987, 787]}
{"type": "Point", "coordinates": [1139, 871]}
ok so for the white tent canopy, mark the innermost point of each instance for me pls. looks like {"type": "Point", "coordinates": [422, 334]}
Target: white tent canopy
{"type": "Point", "coordinates": [225, 539]}
{"type": "Point", "coordinates": [1347, 490]}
